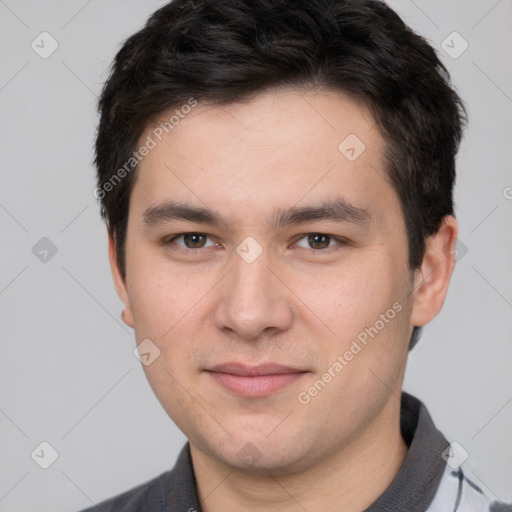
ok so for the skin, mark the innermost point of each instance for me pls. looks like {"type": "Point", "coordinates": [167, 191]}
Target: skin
{"type": "Point", "coordinates": [294, 305]}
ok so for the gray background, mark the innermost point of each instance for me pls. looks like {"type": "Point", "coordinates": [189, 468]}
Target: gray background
{"type": "Point", "coordinates": [67, 372]}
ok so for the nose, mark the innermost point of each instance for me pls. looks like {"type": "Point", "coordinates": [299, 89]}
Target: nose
{"type": "Point", "coordinates": [253, 300]}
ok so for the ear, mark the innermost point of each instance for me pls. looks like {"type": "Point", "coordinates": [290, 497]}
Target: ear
{"type": "Point", "coordinates": [119, 282]}
{"type": "Point", "coordinates": [431, 280]}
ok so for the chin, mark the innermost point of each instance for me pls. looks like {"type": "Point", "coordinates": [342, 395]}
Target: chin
{"type": "Point", "coordinates": [257, 453]}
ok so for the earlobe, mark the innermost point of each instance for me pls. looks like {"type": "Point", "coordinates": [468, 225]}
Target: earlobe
{"type": "Point", "coordinates": [433, 278]}
{"type": "Point", "coordinates": [119, 282]}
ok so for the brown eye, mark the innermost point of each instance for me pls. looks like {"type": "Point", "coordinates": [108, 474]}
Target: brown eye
{"type": "Point", "coordinates": [194, 240]}
{"type": "Point", "coordinates": [319, 241]}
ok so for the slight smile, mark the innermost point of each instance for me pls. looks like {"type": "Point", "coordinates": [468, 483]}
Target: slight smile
{"type": "Point", "coordinates": [254, 381]}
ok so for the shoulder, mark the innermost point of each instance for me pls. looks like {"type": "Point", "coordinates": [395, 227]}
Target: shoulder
{"type": "Point", "coordinates": [500, 507]}
{"type": "Point", "coordinates": [147, 497]}
{"type": "Point", "coordinates": [458, 493]}
{"type": "Point", "coordinates": [174, 489]}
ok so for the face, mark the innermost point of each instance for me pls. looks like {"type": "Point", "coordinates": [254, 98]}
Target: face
{"type": "Point", "coordinates": [267, 263]}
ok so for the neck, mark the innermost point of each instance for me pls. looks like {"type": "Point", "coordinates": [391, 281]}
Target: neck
{"type": "Point", "coordinates": [351, 479]}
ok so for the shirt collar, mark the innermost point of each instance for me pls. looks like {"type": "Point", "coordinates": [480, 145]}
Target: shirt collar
{"type": "Point", "coordinates": [416, 484]}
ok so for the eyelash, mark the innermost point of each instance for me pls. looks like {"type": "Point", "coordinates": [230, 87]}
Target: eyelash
{"type": "Point", "coordinates": [340, 242]}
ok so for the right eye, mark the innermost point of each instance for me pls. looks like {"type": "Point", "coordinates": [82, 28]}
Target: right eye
{"type": "Point", "coordinates": [189, 241]}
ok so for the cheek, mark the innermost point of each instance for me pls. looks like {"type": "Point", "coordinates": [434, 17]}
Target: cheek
{"type": "Point", "coordinates": [159, 295]}
{"type": "Point", "coordinates": [159, 304]}
{"type": "Point", "coordinates": [346, 300]}
{"type": "Point", "coordinates": [166, 309]}
{"type": "Point", "coordinates": [368, 306]}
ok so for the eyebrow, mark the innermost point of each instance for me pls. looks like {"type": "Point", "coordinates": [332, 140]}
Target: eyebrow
{"type": "Point", "coordinates": [173, 210]}
{"type": "Point", "coordinates": [337, 210]}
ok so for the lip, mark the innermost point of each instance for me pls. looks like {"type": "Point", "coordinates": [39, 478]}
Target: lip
{"type": "Point", "coordinates": [254, 381]}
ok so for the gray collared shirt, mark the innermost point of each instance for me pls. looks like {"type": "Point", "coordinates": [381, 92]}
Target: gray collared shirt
{"type": "Point", "coordinates": [428, 480]}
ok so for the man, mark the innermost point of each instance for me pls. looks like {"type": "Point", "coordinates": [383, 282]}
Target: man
{"type": "Point", "coordinates": [276, 178]}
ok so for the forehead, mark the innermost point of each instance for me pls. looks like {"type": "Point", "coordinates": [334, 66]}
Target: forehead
{"type": "Point", "coordinates": [276, 116]}
{"type": "Point", "coordinates": [279, 148]}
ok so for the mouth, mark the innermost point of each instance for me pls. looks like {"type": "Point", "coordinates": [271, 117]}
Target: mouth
{"type": "Point", "coordinates": [254, 381]}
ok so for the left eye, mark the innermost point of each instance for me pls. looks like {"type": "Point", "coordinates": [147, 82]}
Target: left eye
{"type": "Point", "coordinates": [318, 241]}
{"type": "Point", "coordinates": [191, 240]}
